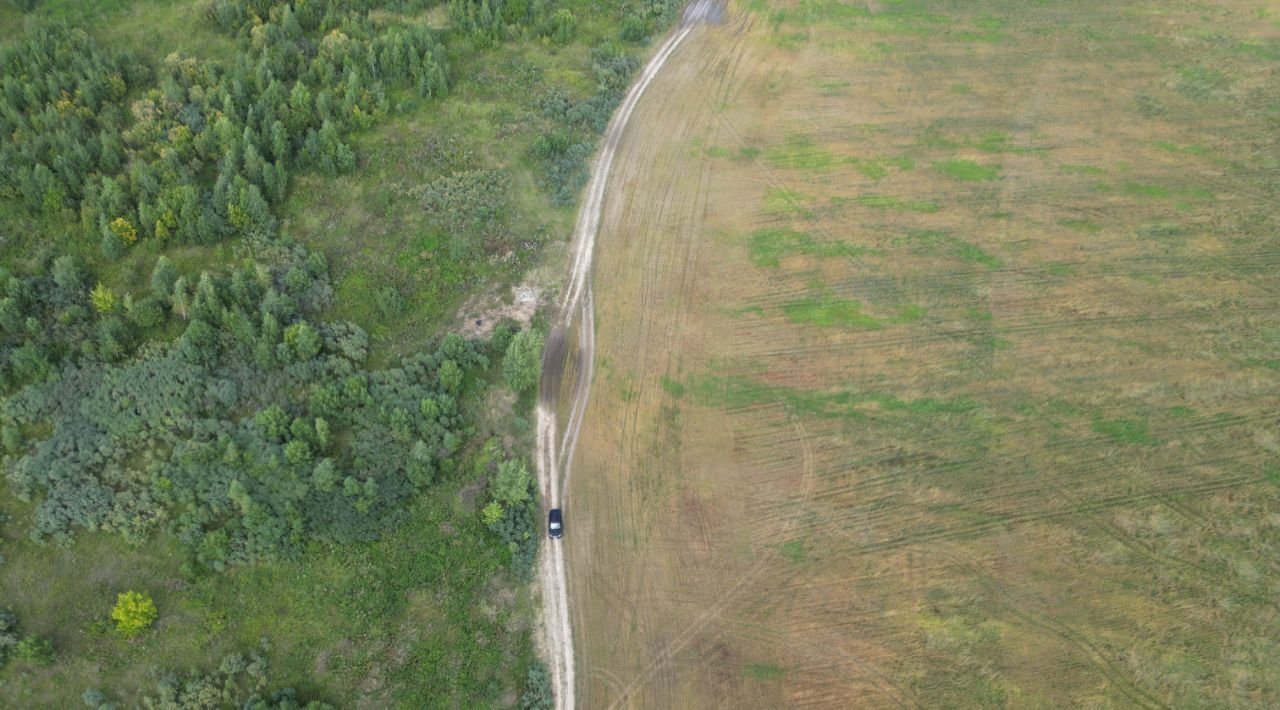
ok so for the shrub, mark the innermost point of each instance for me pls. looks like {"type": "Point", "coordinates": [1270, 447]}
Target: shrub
{"type": "Point", "coordinates": [238, 682]}
{"type": "Point", "coordinates": [450, 376]}
{"type": "Point", "coordinates": [134, 613]}
{"type": "Point", "coordinates": [563, 26]}
{"type": "Point", "coordinates": [513, 513]}
{"type": "Point", "coordinates": [389, 302]}
{"type": "Point", "coordinates": [522, 365]}
{"type": "Point", "coordinates": [537, 689]}
{"type": "Point", "coordinates": [124, 230]}
{"type": "Point", "coordinates": [491, 513]}
{"type": "Point", "coordinates": [634, 29]}
{"type": "Point", "coordinates": [511, 486]}
{"type": "Point", "coordinates": [34, 649]}
{"type": "Point", "coordinates": [8, 635]}
{"type": "Point", "coordinates": [102, 298]}
{"type": "Point", "coordinates": [163, 277]}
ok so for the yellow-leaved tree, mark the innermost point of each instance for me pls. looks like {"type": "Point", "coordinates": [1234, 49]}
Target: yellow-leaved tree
{"type": "Point", "coordinates": [134, 613]}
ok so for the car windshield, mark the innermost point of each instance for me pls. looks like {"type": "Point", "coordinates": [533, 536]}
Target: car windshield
{"type": "Point", "coordinates": [555, 526]}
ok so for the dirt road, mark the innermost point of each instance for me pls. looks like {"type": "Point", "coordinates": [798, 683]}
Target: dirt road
{"type": "Point", "coordinates": [554, 458]}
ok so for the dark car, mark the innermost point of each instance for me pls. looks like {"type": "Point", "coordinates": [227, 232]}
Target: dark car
{"type": "Point", "coordinates": [555, 523]}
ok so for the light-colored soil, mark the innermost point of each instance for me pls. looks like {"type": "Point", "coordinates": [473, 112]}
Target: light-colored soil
{"type": "Point", "coordinates": [936, 364]}
{"type": "Point", "coordinates": [554, 457]}
{"type": "Point", "coordinates": [480, 315]}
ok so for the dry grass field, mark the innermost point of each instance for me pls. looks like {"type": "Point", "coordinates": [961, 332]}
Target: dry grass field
{"type": "Point", "coordinates": [938, 363]}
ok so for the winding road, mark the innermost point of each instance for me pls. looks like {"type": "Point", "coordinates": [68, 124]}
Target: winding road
{"type": "Point", "coordinates": [555, 458]}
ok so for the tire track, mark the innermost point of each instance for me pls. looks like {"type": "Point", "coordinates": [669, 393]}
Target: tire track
{"type": "Point", "coordinates": [554, 458]}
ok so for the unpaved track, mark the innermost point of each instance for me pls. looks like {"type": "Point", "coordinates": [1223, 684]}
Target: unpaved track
{"type": "Point", "coordinates": [554, 459]}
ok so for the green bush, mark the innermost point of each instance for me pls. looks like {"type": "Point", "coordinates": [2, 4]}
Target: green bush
{"type": "Point", "coordinates": [537, 689]}
{"type": "Point", "coordinates": [239, 681]}
{"type": "Point", "coordinates": [634, 29]}
{"type": "Point", "coordinates": [8, 635]}
{"type": "Point", "coordinates": [34, 650]}
{"type": "Point", "coordinates": [522, 365]}
{"type": "Point", "coordinates": [134, 613]}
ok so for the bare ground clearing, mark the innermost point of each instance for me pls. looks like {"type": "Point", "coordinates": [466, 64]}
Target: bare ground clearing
{"type": "Point", "coordinates": [937, 363]}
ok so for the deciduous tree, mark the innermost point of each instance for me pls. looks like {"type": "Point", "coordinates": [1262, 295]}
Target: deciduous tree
{"type": "Point", "coordinates": [134, 613]}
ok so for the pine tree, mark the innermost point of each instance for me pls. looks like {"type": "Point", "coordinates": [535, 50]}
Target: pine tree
{"type": "Point", "coordinates": [180, 296]}
{"type": "Point", "coordinates": [163, 277]}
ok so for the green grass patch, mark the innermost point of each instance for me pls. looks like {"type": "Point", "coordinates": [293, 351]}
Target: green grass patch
{"type": "Point", "coordinates": [877, 168]}
{"type": "Point", "coordinates": [1161, 229]}
{"type": "Point", "coordinates": [763, 671]}
{"type": "Point", "coordinates": [746, 310]}
{"type": "Point", "coordinates": [1202, 83]}
{"type": "Point", "coordinates": [967, 170]}
{"type": "Point", "coordinates": [830, 312]}
{"type": "Point", "coordinates": [1135, 188]}
{"type": "Point", "coordinates": [1191, 149]}
{"type": "Point", "coordinates": [832, 88]}
{"type": "Point", "coordinates": [910, 313]}
{"type": "Point", "coordinates": [673, 387]}
{"type": "Point", "coordinates": [738, 391]}
{"type": "Point", "coordinates": [1081, 225]}
{"type": "Point", "coordinates": [1145, 190]}
{"type": "Point", "coordinates": [996, 142]}
{"type": "Point", "coordinates": [801, 153]}
{"type": "Point", "coordinates": [891, 202]}
{"type": "Point", "coordinates": [939, 242]}
{"type": "Point", "coordinates": [900, 18]}
{"type": "Point", "coordinates": [1272, 473]}
{"type": "Point", "coordinates": [933, 138]}
{"type": "Point", "coordinates": [985, 37]}
{"type": "Point", "coordinates": [1125, 431]}
{"type": "Point", "coordinates": [768, 246]}
{"type": "Point", "coordinates": [1077, 169]}
{"type": "Point", "coordinates": [793, 550]}
{"type": "Point", "coordinates": [784, 200]}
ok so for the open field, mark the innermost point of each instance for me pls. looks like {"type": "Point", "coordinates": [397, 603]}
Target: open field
{"type": "Point", "coordinates": [938, 363]}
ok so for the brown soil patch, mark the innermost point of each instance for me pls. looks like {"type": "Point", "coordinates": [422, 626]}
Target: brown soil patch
{"type": "Point", "coordinates": [937, 364]}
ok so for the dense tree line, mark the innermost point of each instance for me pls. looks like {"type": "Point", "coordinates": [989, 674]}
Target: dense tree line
{"type": "Point", "coordinates": [256, 429]}
{"type": "Point", "coordinates": [55, 312]}
{"type": "Point", "coordinates": [118, 435]}
{"type": "Point", "coordinates": [207, 150]}
{"type": "Point", "coordinates": [229, 436]}
{"type": "Point", "coordinates": [61, 114]}
{"type": "Point", "coordinates": [488, 21]}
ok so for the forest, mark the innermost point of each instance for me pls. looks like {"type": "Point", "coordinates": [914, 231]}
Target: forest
{"type": "Point", "coordinates": [223, 407]}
